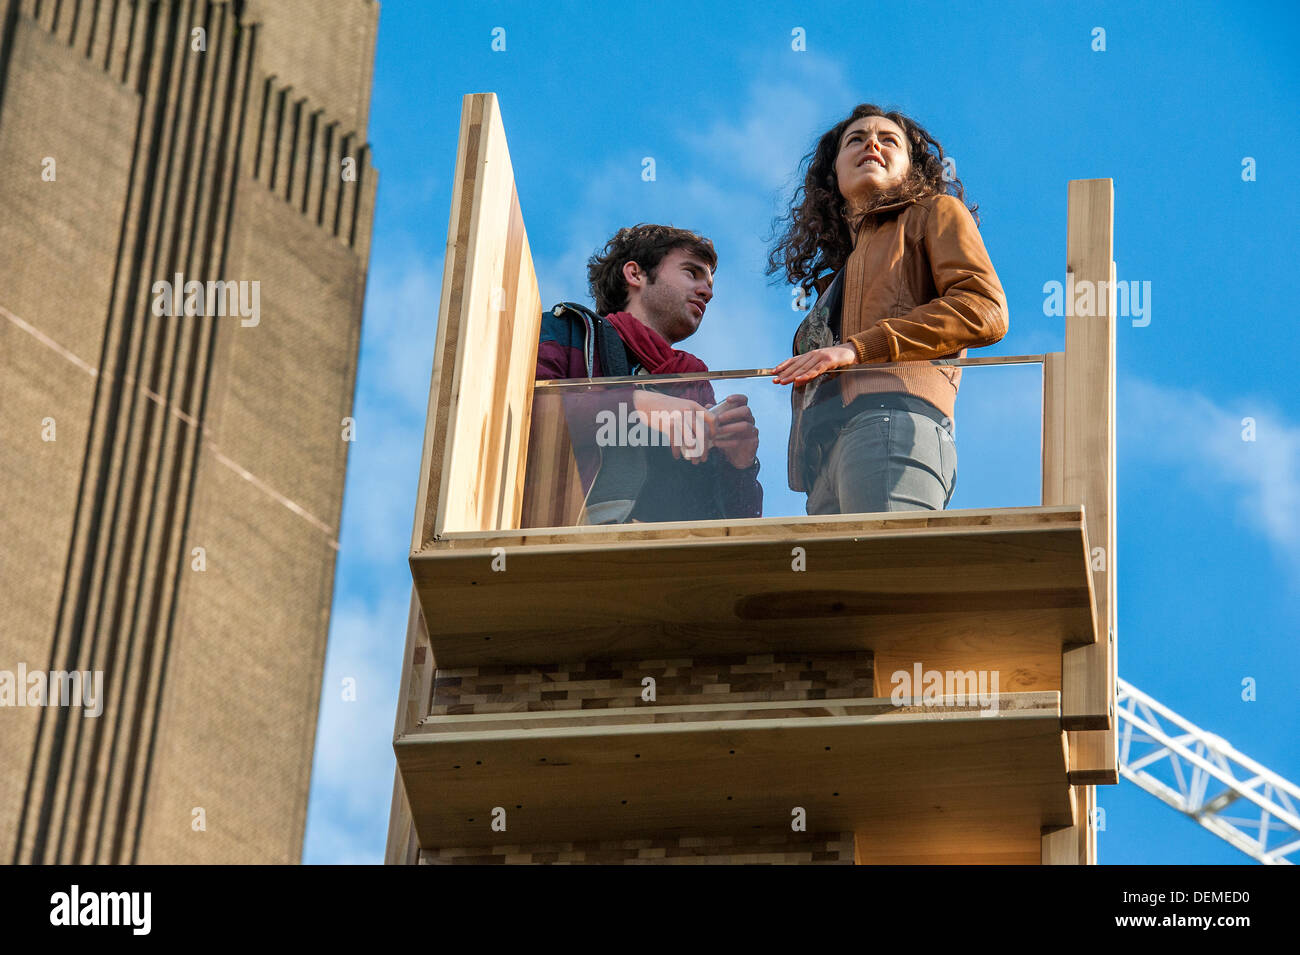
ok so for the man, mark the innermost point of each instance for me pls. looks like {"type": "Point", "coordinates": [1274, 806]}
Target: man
{"type": "Point", "coordinates": [654, 452]}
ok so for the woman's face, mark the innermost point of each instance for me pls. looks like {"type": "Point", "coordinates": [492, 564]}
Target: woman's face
{"type": "Point", "coordinates": [873, 156]}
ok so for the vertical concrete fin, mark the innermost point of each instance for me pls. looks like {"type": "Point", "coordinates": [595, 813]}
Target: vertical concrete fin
{"type": "Point", "coordinates": [315, 167]}
{"type": "Point", "coordinates": [329, 187]}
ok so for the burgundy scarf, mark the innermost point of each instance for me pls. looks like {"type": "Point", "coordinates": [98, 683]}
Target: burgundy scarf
{"type": "Point", "coordinates": [660, 358]}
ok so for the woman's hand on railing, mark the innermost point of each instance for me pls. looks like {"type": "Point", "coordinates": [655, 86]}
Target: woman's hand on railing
{"type": "Point", "coordinates": [804, 368]}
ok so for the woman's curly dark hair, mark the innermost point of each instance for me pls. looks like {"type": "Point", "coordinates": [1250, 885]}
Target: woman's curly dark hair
{"type": "Point", "coordinates": [816, 237]}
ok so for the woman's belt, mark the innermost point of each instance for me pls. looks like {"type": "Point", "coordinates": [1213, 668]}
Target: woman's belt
{"type": "Point", "coordinates": [898, 402]}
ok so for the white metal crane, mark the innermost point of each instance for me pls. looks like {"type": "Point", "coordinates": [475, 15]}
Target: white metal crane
{"type": "Point", "coordinates": [1208, 777]}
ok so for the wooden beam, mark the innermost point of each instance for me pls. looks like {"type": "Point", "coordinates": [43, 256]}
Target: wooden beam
{"type": "Point", "coordinates": [861, 765]}
{"type": "Point", "coordinates": [1054, 428]}
{"type": "Point", "coordinates": [957, 523]}
{"type": "Point", "coordinates": [1088, 467]}
{"type": "Point", "coordinates": [403, 847]}
{"type": "Point", "coordinates": [974, 841]}
{"type": "Point", "coordinates": [418, 669]}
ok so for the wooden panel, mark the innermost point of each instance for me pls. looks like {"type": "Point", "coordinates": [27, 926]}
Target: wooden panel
{"type": "Point", "coordinates": [402, 847]}
{"type": "Point", "coordinates": [480, 396]}
{"type": "Point", "coordinates": [553, 495]}
{"type": "Point", "coordinates": [956, 523]}
{"type": "Point", "coordinates": [1054, 428]}
{"type": "Point", "coordinates": [1077, 844]}
{"type": "Point", "coordinates": [609, 591]}
{"type": "Point", "coordinates": [1024, 651]}
{"type": "Point", "coordinates": [1067, 846]}
{"type": "Point", "coordinates": [418, 667]}
{"type": "Point", "coordinates": [868, 766]}
{"type": "Point", "coordinates": [977, 840]}
{"type": "Point", "coordinates": [1059, 846]}
{"type": "Point", "coordinates": [1088, 851]}
{"type": "Point", "coordinates": [1088, 673]}
{"type": "Point", "coordinates": [793, 848]}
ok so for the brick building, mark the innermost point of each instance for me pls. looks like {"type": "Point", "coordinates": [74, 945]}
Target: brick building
{"type": "Point", "coordinates": [172, 484]}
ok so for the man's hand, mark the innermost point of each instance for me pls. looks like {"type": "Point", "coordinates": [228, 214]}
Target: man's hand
{"type": "Point", "coordinates": [736, 434]}
{"type": "Point", "coordinates": [804, 368]}
{"type": "Point", "coordinates": [687, 425]}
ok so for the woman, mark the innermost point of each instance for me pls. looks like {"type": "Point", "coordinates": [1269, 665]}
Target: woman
{"type": "Point", "coordinates": [885, 238]}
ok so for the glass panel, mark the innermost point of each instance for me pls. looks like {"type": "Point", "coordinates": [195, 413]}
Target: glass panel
{"type": "Point", "coordinates": [870, 439]}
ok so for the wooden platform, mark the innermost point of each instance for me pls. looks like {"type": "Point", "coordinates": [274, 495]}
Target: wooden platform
{"type": "Point", "coordinates": [958, 776]}
{"type": "Point", "coordinates": [717, 586]}
{"type": "Point", "coordinates": [1024, 593]}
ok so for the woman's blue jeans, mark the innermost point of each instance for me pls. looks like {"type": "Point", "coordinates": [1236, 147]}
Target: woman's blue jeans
{"type": "Point", "coordinates": [884, 459]}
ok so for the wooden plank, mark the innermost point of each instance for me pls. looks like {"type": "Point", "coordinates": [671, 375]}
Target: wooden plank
{"type": "Point", "coordinates": [1067, 845]}
{"type": "Point", "coordinates": [438, 420]}
{"type": "Point", "coordinates": [1093, 758]}
{"type": "Point", "coordinates": [1088, 851]}
{"type": "Point", "coordinates": [1074, 845]}
{"type": "Point", "coordinates": [717, 773]}
{"type": "Point", "coordinates": [1054, 428]}
{"type": "Point", "coordinates": [1059, 846]}
{"type": "Point", "coordinates": [957, 522]}
{"type": "Point", "coordinates": [1077, 844]}
{"type": "Point", "coordinates": [915, 579]}
{"type": "Point", "coordinates": [553, 495]}
{"type": "Point", "coordinates": [927, 840]}
{"type": "Point", "coordinates": [1088, 676]}
{"type": "Point", "coordinates": [1023, 651]}
{"type": "Point", "coordinates": [543, 722]}
{"type": "Point", "coordinates": [418, 669]}
{"type": "Point", "coordinates": [1088, 472]}
{"type": "Point", "coordinates": [402, 847]}
{"type": "Point", "coordinates": [480, 397]}
{"type": "Point", "coordinates": [1094, 754]}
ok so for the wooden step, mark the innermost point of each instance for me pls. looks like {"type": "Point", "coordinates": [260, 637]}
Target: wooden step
{"type": "Point", "coordinates": [949, 772]}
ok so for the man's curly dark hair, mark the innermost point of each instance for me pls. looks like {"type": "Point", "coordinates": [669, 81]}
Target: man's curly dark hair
{"type": "Point", "coordinates": [646, 245]}
{"type": "Point", "coordinates": [816, 237]}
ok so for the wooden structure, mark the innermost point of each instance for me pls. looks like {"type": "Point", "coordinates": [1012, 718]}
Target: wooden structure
{"type": "Point", "coordinates": [524, 732]}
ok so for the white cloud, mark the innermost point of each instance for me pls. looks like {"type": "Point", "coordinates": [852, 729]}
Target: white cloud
{"type": "Point", "coordinates": [777, 123]}
{"type": "Point", "coordinates": [383, 477]}
{"type": "Point", "coordinates": [399, 331]}
{"type": "Point", "coordinates": [398, 337]}
{"type": "Point", "coordinates": [1187, 430]}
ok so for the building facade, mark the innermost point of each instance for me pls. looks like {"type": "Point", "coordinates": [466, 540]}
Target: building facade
{"type": "Point", "coordinates": [185, 216]}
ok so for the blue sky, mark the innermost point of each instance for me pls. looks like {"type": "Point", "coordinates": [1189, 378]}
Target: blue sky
{"type": "Point", "coordinates": [1208, 556]}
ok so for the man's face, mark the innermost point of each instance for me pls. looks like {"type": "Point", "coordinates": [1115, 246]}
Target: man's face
{"type": "Point", "coordinates": [873, 156]}
{"type": "Point", "coordinates": [674, 303]}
